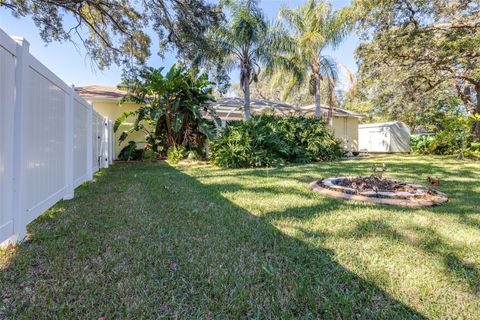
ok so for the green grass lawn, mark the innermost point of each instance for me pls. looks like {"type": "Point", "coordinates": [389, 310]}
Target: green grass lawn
{"type": "Point", "coordinates": [195, 241]}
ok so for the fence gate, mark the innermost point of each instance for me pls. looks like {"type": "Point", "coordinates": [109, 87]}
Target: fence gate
{"type": "Point", "coordinates": [101, 149]}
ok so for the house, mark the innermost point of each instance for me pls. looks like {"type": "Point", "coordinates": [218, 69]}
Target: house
{"type": "Point", "coordinates": [105, 100]}
{"type": "Point", "coordinates": [345, 122]}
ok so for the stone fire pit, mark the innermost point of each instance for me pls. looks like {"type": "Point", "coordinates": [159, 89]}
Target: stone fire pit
{"type": "Point", "coordinates": [379, 190]}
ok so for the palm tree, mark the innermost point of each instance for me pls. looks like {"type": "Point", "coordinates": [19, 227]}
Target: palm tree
{"type": "Point", "coordinates": [315, 27]}
{"type": "Point", "coordinates": [248, 42]}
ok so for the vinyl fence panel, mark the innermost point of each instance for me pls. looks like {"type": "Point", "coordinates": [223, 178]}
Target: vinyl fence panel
{"type": "Point", "coordinates": [80, 142]}
{"type": "Point", "coordinates": [7, 89]}
{"type": "Point", "coordinates": [101, 147]}
{"type": "Point", "coordinates": [43, 143]}
{"type": "Point", "coordinates": [51, 140]}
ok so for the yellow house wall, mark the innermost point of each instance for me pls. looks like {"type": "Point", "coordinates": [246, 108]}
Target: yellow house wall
{"type": "Point", "coordinates": [352, 132]}
{"type": "Point", "coordinates": [113, 110]}
{"type": "Point", "coordinates": [346, 130]}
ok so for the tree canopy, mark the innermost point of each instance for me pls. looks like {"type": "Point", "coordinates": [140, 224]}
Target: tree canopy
{"type": "Point", "coordinates": [420, 52]}
{"type": "Point", "coordinates": [114, 31]}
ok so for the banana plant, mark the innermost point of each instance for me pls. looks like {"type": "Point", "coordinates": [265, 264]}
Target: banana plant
{"type": "Point", "coordinates": [175, 108]}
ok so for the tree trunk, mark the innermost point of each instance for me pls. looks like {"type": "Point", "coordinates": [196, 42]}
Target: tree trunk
{"type": "Point", "coordinates": [476, 124]}
{"type": "Point", "coordinates": [246, 93]}
{"type": "Point", "coordinates": [330, 103]}
{"type": "Point", "coordinates": [318, 108]}
{"type": "Point", "coordinates": [464, 91]}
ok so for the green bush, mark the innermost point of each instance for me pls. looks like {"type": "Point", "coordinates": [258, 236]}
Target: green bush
{"type": "Point", "coordinates": [175, 154]}
{"type": "Point", "coordinates": [266, 141]}
{"type": "Point", "coordinates": [419, 142]}
{"type": "Point", "coordinates": [473, 151]}
{"type": "Point", "coordinates": [149, 154]}
{"type": "Point", "coordinates": [130, 152]}
{"type": "Point", "coordinates": [454, 137]}
{"type": "Point", "coordinates": [173, 108]}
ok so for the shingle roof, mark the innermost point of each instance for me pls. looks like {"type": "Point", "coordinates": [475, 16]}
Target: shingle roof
{"type": "Point", "coordinates": [232, 109]}
{"type": "Point", "coordinates": [337, 112]}
{"type": "Point", "coordinates": [104, 93]}
{"type": "Point", "coordinates": [227, 108]}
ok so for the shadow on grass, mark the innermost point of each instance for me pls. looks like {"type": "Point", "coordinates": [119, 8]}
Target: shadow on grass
{"type": "Point", "coordinates": [460, 183]}
{"type": "Point", "coordinates": [150, 241]}
{"type": "Point", "coordinates": [427, 240]}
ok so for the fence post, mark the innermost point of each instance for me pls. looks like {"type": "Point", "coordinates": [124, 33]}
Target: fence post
{"type": "Point", "coordinates": [90, 142]}
{"type": "Point", "coordinates": [21, 69]}
{"type": "Point", "coordinates": [69, 144]}
{"type": "Point", "coordinates": [106, 141]}
{"type": "Point", "coordinates": [110, 143]}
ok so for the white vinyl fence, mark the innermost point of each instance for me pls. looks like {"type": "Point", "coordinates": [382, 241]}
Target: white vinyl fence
{"type": "Point", "coordinates": [51, 140]}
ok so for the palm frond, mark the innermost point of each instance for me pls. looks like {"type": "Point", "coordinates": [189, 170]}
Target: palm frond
{"type": "Point", "coordinates": [328, 68]}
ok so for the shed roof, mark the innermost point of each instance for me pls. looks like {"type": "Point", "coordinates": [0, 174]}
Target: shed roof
{"type": "Point", "coordinates": [382, 124]}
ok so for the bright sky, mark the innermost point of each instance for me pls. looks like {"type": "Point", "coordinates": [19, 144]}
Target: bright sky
{"type": "Point", "coordinates": [71, 64]}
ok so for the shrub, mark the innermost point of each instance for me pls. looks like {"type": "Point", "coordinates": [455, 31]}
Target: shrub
{"type": "Point", "coordinates": [456, 137]}
{"type": "Point", "coordinates": [270, 140]}
{"type": "Point", "coordinates": [174, 106]}
{"type": "Point", "coordinates": [149, 154]}
{"type": "Point", "coordinates": [473, 151]}
{"type": "Point", "coordinates": [419, 143]}
{"type": "Point", "coordinates": [130, 152]}
{"type": "Point", "coordinates": [175, 154]}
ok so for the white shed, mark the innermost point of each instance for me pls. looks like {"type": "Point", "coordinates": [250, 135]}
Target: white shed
{"type": "Point", "coordinates": [384, 137]}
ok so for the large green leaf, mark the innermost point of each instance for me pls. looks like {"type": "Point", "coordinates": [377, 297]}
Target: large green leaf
{"type": "Point", "coordinates": [120, 120]}
{"type": "Point", "coordinates": [207, 130]}
{"type": "Point", "coordinates": [123, 136]}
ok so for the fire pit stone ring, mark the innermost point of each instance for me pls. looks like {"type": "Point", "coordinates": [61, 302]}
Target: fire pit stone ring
{"type": "Point", "coordinates": [403, 193]}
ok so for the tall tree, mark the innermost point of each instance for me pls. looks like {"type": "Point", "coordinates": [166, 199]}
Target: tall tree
{"type": "Point", "coordinates": [316, 26]}
{"type": "Point", "coordinates": [247, 41]}
{"type": "Point", "coordinates": [113, 31]}
{"type": "Point", "coordinates": [428, 47]}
